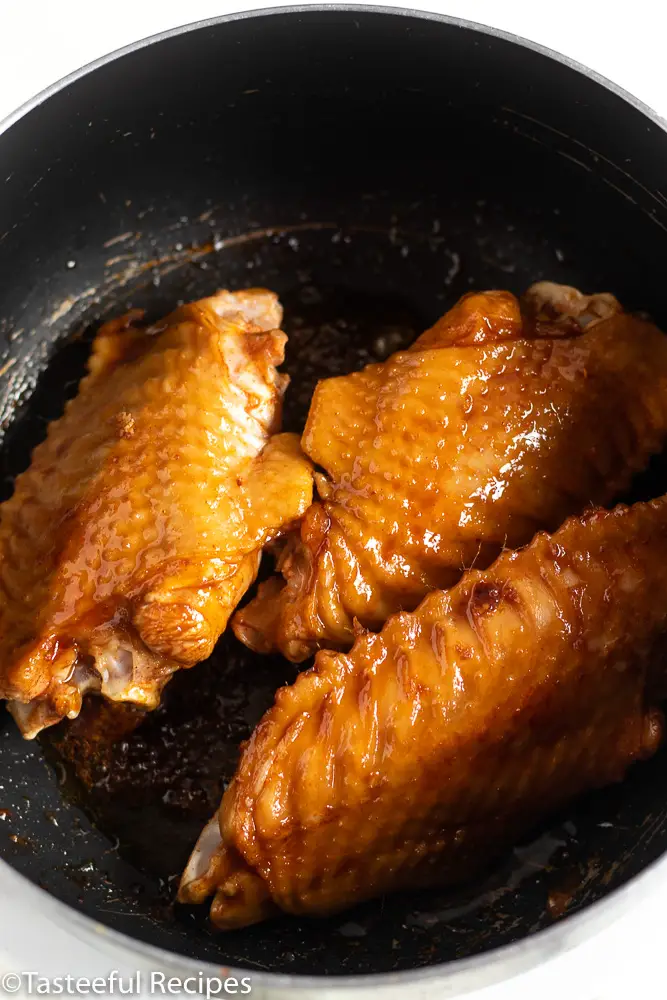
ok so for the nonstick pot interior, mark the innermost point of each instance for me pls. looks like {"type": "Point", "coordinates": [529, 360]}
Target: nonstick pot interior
{"type": "Point", "coordinates": [370, 167]}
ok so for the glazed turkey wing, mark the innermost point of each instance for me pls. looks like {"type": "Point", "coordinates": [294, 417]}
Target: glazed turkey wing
{"type": "Point", "coordinates": [139, 524]}
{"type": "Point", "coordinates": [500, 421]}
{"type": "Point", "coordinates": [424, 752]}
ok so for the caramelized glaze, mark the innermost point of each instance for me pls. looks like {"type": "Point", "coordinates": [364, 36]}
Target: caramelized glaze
{"type": "Point", "coordinates": [501, 420]}
{"type": "Point", "coordinates": [431, 746]}
{"type": "Point", "coordinates": [139, 524]}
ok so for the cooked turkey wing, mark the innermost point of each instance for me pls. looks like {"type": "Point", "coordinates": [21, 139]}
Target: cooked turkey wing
{"type": "Point", "coordinates": [425, 751]}
{"type": "Point", "coordinates": [500, 421]}
{"type": "Point", "coordinates": [139, 524]}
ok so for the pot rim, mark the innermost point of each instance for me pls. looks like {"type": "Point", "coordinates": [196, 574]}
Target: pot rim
{"type": "Point", "coordinates": [458, 976]}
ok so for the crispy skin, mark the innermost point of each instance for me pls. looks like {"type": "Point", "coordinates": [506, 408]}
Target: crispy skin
{"type": "Point", "coordinates": [139, 524]}
{"type": "Point", "coordinates": [431, 746]}
{"type": "Point", "coordinates": [498, 422]}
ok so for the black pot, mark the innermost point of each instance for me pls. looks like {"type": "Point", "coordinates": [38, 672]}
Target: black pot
{"type": "Point", "coordinates": [370, 166]}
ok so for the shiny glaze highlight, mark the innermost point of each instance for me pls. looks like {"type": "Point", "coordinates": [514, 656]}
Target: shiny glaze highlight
{"type": "Point", "coordinates": [501, 420]}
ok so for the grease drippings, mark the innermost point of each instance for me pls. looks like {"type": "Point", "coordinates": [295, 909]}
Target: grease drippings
{"type": "Point", "coordinates": [151, 781]}
{"type": "Point", "coordinates": [167, 770]}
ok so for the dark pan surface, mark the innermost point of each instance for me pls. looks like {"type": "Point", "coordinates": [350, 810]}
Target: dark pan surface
{"type": "Point", "coordinates": [415, 164]}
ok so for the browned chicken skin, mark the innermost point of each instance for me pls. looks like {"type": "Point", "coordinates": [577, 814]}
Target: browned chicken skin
{"type": "Point", "coordinates": [499, 421]}
{"type": "Point", "coordinates": [426, 750]}
{"type": "Point", "coordinates": [140, 522]}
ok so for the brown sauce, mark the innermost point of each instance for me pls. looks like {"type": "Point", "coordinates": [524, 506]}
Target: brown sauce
{"type": "Point", "coordinates": [151, 782]}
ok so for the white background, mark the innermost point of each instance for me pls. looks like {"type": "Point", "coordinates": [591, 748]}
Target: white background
{"type": "Point", "coordinates": [43, 40]}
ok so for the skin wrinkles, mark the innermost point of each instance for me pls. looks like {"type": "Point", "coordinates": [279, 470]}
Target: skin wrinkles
{"type": "Point", "coordinates": [453, 730]}
{"type": "Point", "coordinates": [143, 513]}
{"type": "Point", "coordinates": [493, 425]}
